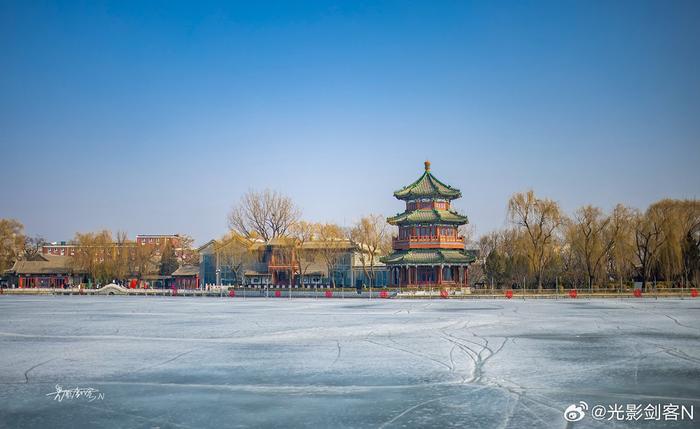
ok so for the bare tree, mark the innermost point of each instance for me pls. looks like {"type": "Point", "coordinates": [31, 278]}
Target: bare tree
{"type": "Point", "coordinates": [540, 219]}
{"type": "Point", "coordinates": [590, 238]}
{"type": "Point", "coordinates": [648, 239]}
{"type": "Point", "coordinates": [187, 255]}
{"type": "Point", "coordinates": [681, 218]}
{"type": "Point", "coordinates": [11, 242]}
{"type": "Point", "coordinates": [32, 246]}
{"type": "Point", "coordinates": [94, 255]}
{"type": "Point", "coordinates": [122, 238]}
{"type": "Point", "coordinates": [235, 252]}
{"type": "Point", "coordinates": [371, 236]}
{"type": "Point", "coordinates": [303, 232]}
{"type": "Point", "coordinates": [143, 259]}
{"type": "Point", "coordinates": [332, 247]}
{"type": "Point", "coordinates": [621, 255]}
{"type": "Point", "coordinates": [266, 214]}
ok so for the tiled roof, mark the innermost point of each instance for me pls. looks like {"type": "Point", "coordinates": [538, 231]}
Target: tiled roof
{"type": "Point", "coordinates": [186, 270]}
{"type": "Point", "coordinates": [47, 264]}
{"type": "Point", "coordinates": [428, 216]}
{"type": "Point", "coordinates": [427, 186]}
{"type": "Point", "coordinates": [428, 257]}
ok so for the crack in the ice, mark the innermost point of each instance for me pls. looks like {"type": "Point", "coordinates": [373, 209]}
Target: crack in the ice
{"type": "Point", "coordinates": [679, 323]}
{"type": "Point", "coordinates": [26, 373]}
{"type": "Point", "coordinates": [165, 362]}
{"type": "Point", "coordinates": [672, 351]}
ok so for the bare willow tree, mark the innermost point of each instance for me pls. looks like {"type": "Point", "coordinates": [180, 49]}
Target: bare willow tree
{"type": "Point", "coordinates": [591, 235]}
{"type": "Point", "coordinates": [372, 238]}
{"type": "Point", "coordinates": [332, 246]}
{"type": "Point", "coordinates": [539, 219]}
{"type": "Point", "coordinates": [679, 221]}
{"type": "Point", "coordinates": [621, 255]}
{"type": "Point", "coordinates": [267, 214]}
{"type": "Point", "coordinates": [143, 259]}
{"type": "Point", "coordinates": [648, 239]}
{"type": "Point", "coordinates": [95, 255]}
{"type": "Point", "coordinates": [302, 233]}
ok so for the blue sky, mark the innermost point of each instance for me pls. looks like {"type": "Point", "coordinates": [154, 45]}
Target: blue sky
{"type": "Point", "coordinates": [154, 117]}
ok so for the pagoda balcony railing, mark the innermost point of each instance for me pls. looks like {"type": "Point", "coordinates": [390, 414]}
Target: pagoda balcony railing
{"type": "Point", "coordinates": [418, 241]}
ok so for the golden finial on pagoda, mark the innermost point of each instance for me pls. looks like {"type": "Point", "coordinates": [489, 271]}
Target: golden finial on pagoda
{"type": "Point", "coordinates": [427, 165]}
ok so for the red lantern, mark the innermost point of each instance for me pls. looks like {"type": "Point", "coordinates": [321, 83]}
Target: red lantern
{"type": "Point", "coordinates": [278, 294]}
{"type": "Point", "coordinates": [329, 294]}
{"type": "Point", "coordinates": [694, 293]}
{"type": "Point", "coordinates": [444, 293]}
{"type": "Point", "coordinates": [509, 294]}
{"type": "Point", "coordinates": [132, 284]}
{"type": "Point", "coordinates": [232, 293]}
{"type": "Point", "coordinates": [638, 293]}
{"type": "Point", "coordinates": [573, 293]}
{"type": "Point", "coordinates": [384, 294]}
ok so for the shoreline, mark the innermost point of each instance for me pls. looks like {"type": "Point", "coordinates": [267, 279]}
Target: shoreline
{"type": "Point", "coordinates": [346, 293]}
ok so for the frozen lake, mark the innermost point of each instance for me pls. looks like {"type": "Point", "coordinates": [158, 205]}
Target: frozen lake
{"type": "Point", "coordinates": [214, 363]}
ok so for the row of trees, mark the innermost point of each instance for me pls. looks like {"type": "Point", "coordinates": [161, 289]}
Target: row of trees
{"type": "Point", "coordinates": [542, 245]}
{"type": "Point", "coordinates": [593, 248]}
{"type": "Point", "coordinates": [101, 255]}
{"type": "Point", "coordinates": [104, 257]}
{"type": "Point", "coordinates": [273, 217]}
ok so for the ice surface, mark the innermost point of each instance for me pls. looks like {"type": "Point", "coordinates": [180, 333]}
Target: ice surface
{"type": "Point", "coordinates": [213, 363]}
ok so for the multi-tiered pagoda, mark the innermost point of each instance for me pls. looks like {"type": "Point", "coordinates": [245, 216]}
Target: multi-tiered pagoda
{"type": "Point", "coordinates": [428, 251]}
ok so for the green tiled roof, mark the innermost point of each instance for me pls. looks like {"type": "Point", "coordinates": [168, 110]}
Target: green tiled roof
{"type": "Point", "coordinates": [427, 186]}
{"type": "Point", "coordinates": [428, 216]}
{"type": "Point", "coordinates": [428, 257]}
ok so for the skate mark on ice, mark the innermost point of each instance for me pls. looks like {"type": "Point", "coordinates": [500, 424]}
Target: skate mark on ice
{"type": "Point", "coordinates": [419, 405]}
{"type": "Point", "coordinates": [409, 352]}
{"type": "Point", "coordinates": [337, 357]}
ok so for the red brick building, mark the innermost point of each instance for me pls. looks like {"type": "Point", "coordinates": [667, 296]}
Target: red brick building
{"type": "Point", "coordinates": [159, 241]}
